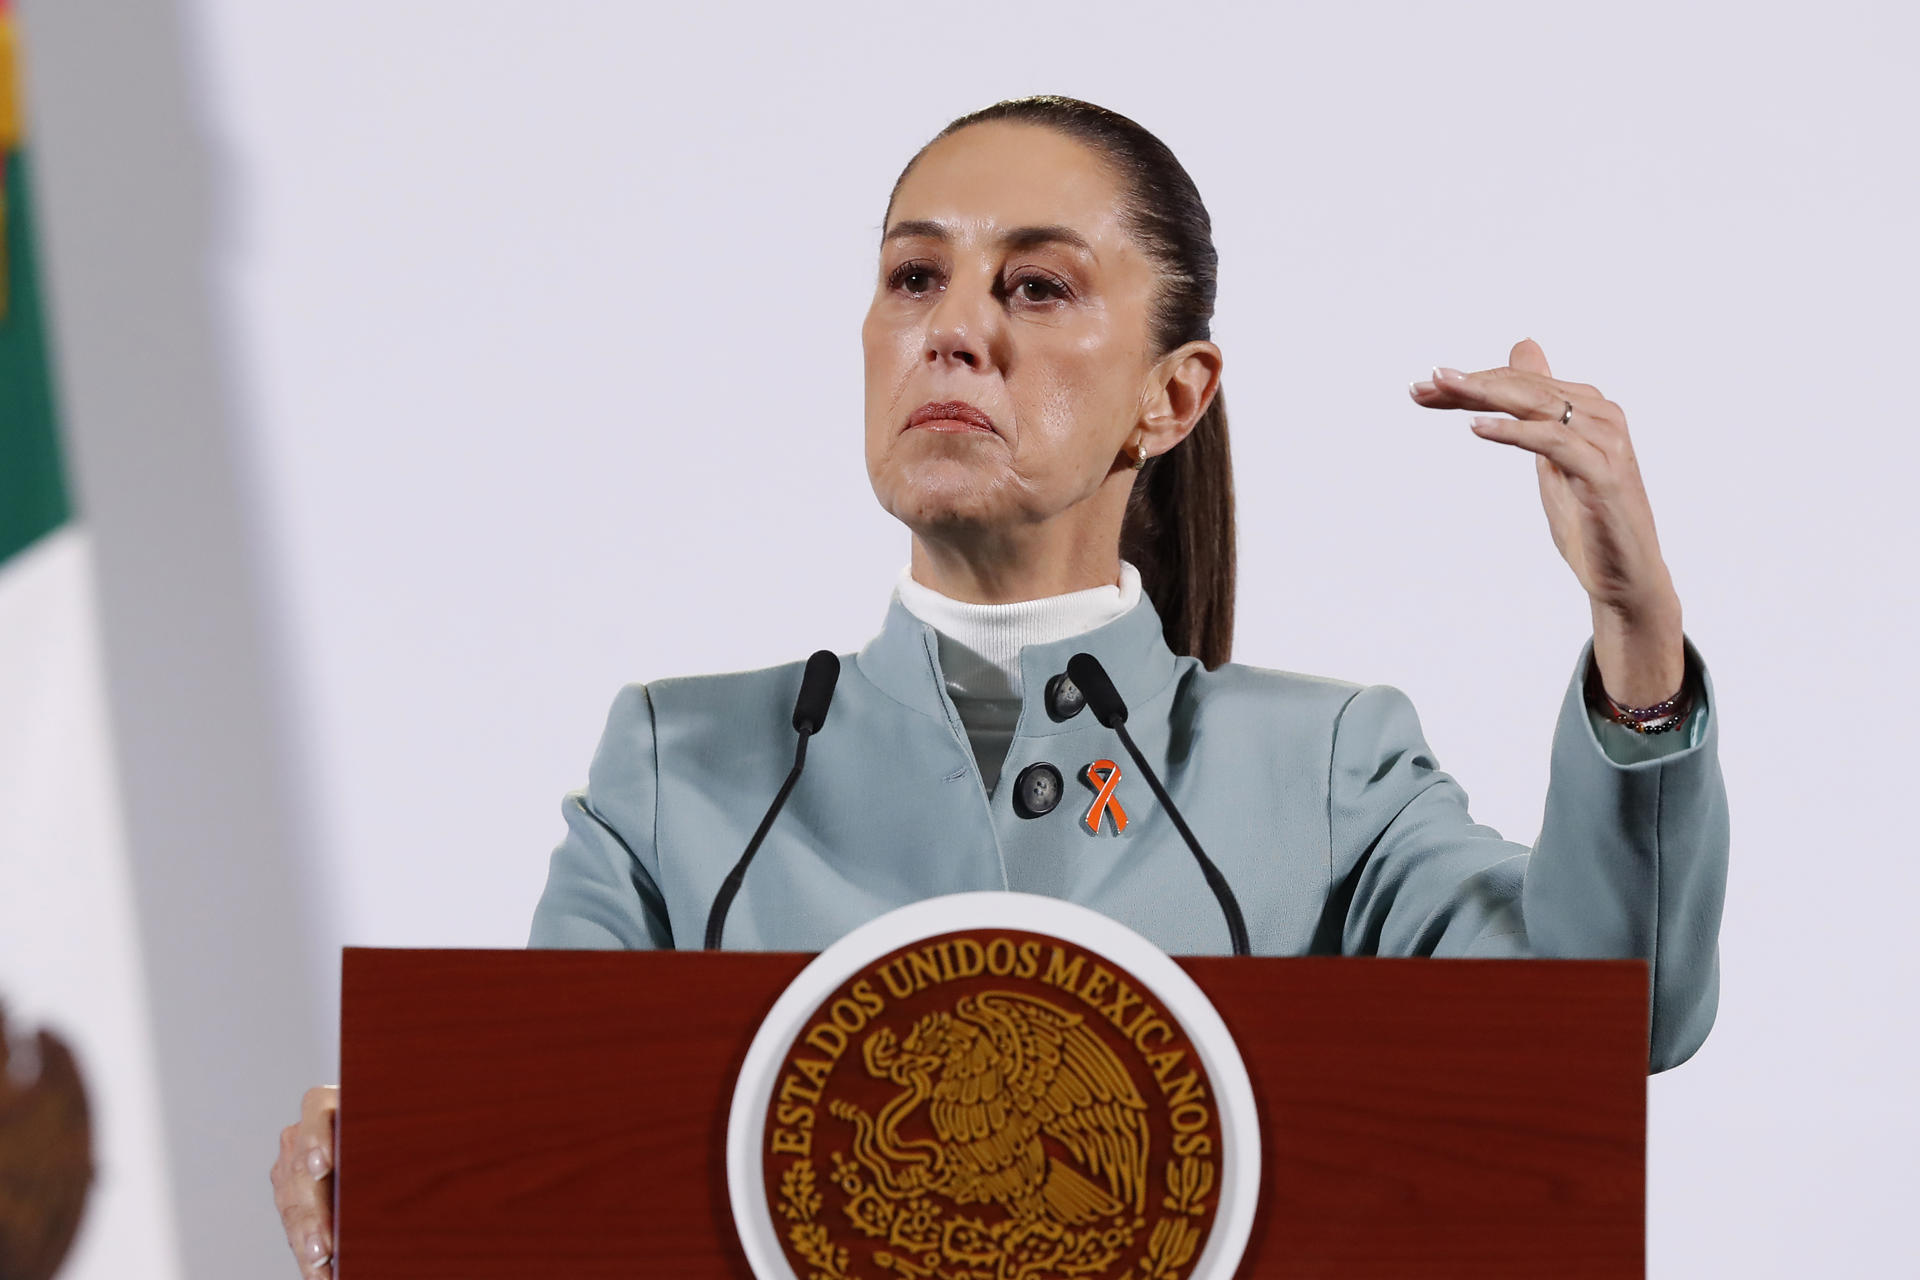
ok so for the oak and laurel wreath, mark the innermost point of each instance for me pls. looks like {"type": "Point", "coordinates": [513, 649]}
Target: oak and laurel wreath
{"type": "Point", "coordinates": [1175, 1235]}
{"type": "Point", "coordinates": [800, 1201]}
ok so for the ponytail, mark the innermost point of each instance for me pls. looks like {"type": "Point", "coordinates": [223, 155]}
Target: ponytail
{"type": "Point", "coordinates": [1179, 533]}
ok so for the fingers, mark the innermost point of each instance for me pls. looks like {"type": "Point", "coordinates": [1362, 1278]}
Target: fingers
{"type": "Point", "coordinates": [1589, 479]}
{"type": "Point", "coordinates": [1563, 447]}
{"type": "Point", "coordinates": [303, 1204]}
{"type": "Point", "coordinates": [317, 1106]}
{"type": "Point", "coordinates": [1591, 444]}
{"type": "Point", "coordinates": [303, 1183]}
{"type": "Point", "coordinates": [1528, 357]}
{"type": "Point", "coordinates": [1502, 390]}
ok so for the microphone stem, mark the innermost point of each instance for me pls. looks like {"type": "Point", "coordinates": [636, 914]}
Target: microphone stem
{"type": "Point", "coordinates": [1229, 905]}
{"type": "Point", "coordinates": [717, 917]}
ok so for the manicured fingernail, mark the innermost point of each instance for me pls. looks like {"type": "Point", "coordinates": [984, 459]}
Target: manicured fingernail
{"type": "Point", "coordinates": [1441, 371]}
{"type": "Point", "coordinates": [1481, 424]}
{"type": "Point", "coordinates": [1420, 388]}
{"type": "Point", "coordinates": [316, 1250]}
{"type": "Point", "coordinates": [317, 1163]}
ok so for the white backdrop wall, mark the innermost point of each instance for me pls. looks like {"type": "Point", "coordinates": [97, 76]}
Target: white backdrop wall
{"type": "Point", "coordinates": [521, 360]}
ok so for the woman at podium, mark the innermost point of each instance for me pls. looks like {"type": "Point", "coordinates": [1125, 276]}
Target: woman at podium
{"type": "Point", "coordinates": [1044, 415]}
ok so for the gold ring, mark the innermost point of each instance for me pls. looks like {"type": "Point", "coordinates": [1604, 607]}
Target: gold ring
{"type": "Point", "coordinates": [1567, 417]}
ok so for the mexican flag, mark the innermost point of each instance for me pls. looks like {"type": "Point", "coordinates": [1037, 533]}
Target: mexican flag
{"type": "Point", "coordinates": [69, 937]}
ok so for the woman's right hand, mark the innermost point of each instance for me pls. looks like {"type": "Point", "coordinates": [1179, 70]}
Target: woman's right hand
{"type": "Point", "coordinates": [303, 1182]}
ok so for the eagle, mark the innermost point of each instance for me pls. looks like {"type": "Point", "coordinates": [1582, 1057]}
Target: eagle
{"type": "Point", "coordinates": [998, 1076]}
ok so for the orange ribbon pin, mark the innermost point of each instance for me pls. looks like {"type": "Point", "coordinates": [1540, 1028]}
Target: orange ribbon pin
{"type": "Point", "coordinates": [1104, 776]}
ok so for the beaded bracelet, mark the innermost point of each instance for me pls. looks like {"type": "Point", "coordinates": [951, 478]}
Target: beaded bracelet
{"type": "Point", "coordinates": [1658, 718]}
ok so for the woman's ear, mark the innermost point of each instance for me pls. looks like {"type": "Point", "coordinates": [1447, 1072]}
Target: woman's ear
{"type": "Point", "coordinates": [1179, 389]}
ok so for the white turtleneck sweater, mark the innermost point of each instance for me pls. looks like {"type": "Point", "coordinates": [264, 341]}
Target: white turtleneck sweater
{"type": "Point", "coordinates": [980, 650]}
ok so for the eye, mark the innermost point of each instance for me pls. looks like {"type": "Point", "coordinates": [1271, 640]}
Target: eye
{"type": "Point", "coordinates": [915, 277]}
{"type": "Point", "coordinates": [1039, 288]}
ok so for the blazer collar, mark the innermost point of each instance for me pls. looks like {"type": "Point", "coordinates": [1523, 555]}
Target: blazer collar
{"type": "Point", "coordinates": [903, 662]}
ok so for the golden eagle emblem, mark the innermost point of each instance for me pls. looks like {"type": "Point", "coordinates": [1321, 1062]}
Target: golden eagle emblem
{"type": "Point", "coordinates": [997, 1077]}
{"type": "Point", "coordinates": [994, 1106]}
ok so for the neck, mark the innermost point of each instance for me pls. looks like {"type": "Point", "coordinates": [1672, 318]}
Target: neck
{"type": "Point", "coordinates": [980, 643]}
{"type": "Point", "coordinates": [973, 575]}
{"type": "Point", "coordinates": [1010, 560]}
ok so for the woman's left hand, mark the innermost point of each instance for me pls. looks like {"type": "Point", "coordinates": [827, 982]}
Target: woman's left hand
{"type": "Point", "coordinates": [1596, 506]}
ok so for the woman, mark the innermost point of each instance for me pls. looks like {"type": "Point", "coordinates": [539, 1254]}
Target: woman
{"type": "Point", "coordinates": [1043, 412]}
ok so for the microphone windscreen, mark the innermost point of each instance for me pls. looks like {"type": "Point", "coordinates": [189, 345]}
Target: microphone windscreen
{"type": "Point", "coordinates": [816, 692]}
{"type": "Point", "coordinates": [1102, 698]}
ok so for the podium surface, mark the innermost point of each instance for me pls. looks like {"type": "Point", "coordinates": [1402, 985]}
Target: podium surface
{"type": "Point", "coordinates": [563, 1113]}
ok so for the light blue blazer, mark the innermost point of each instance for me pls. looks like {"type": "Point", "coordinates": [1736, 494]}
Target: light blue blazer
{"type": "Point", "coordinates": [1318, 799]}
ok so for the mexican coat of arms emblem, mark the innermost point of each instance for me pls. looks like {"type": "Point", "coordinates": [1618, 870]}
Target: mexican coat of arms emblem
{"type": "Point", "coordinates": [988, 1103]}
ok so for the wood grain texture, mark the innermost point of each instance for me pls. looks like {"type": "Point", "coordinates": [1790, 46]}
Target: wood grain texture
{"type": "Point", "coordinates": [563, 1114]}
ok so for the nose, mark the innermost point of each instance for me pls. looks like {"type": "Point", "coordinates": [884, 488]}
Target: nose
{"type": "Point", "coordinates": [961, 326]}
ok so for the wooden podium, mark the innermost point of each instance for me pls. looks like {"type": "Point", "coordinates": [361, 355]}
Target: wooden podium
{"type": "Point", "coordinates": [560, 1114]}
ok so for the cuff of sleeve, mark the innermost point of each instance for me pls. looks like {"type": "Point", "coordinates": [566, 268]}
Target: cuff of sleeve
{"type": "Point", "coordinates": [1622, 745]}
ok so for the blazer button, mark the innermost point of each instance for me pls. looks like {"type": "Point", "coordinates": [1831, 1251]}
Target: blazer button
{"type": "Point", "coordinates": [1064, 698]}
{"type": "Point", "coordinates": [1037, 790]}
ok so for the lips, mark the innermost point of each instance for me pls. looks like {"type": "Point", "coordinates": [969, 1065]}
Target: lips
{"type": "Point", "coordinates": [949, 412]}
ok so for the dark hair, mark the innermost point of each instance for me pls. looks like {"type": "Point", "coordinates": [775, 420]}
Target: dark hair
{"type": "Point", "coordinates": [1179, 524]}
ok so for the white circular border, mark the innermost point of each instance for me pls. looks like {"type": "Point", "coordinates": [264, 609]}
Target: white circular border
{"type": "Point", "coordinates": [1233, 1093]}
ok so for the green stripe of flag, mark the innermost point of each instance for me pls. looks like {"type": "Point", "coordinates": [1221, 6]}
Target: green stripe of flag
{"type": "Point", "coordinates": [33, 488]}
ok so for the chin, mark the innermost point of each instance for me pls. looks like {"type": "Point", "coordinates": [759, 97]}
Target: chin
{"type": "Point", "coordinates": [948, 494]}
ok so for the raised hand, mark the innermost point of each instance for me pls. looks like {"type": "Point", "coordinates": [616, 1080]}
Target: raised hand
{"type": "Point", "coordinates": [1597, 510]}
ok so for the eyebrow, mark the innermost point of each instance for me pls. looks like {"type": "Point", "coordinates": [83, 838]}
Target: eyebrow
{"type": "Point", "coordinates": [1013, 238]}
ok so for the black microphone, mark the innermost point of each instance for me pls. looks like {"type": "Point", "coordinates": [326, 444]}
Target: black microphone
{"type": "Point", "coordinates": [1105, 702]}
{"type": "Point", "coordinates": [809, 713]}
